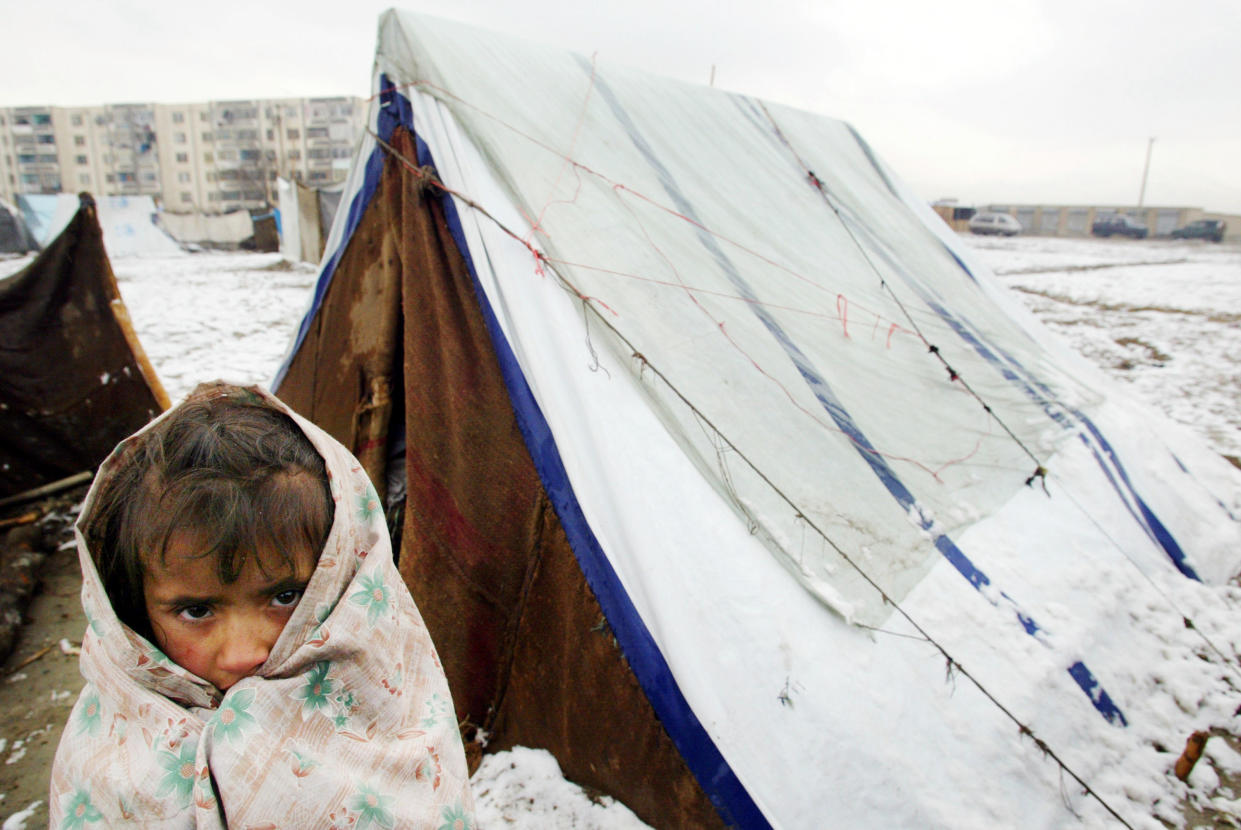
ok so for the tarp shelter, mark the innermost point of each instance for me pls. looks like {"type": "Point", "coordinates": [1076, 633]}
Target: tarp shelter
{"type": "Point", "coordinates": [15, 237]}
{"type": "Point", "coordinates": [221, 230]}
{"type": "Point", "coordinates": [128, 222]}
{"type": "Point", "coordinates": [306, 218]}
{"type": "Point", "coordinates": [725, 473]}
{"type": "Point", "coordinates": [73, 377]}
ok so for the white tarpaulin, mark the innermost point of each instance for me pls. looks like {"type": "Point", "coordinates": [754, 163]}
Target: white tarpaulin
{"type": "Point", "coordinates": [226, 229]}
{"type": "Point", "coordinates": [128, 222]}
{"type": "Point", "coordinates": [825, 457]}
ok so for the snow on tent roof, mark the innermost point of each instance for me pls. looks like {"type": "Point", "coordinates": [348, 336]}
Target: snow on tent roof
{"type": "Point", "coordinates": [807, 453]}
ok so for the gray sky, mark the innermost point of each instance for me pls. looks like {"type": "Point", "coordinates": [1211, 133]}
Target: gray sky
{"type": "Point", "coordinates": [982, 100]}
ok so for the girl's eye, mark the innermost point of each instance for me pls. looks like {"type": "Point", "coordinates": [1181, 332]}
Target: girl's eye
{"type": "Point", "coordinates": [194, 612]}
{"type": "Point", "coordinates": [286, 599]}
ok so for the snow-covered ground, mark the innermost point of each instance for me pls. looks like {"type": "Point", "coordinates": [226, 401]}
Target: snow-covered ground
{"type": "Point", "coordinates": [1163, 317]}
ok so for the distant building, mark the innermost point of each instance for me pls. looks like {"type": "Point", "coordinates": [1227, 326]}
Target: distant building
{"type": "Point", "coordinates": [212, 157]}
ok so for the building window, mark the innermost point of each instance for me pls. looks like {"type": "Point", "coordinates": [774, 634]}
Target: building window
{"type": "Point", "coordinates": [178, 138]}
{"type": "Point", "coordinates": [211, 176]}
{"type": "Point", "coordinates": [43, 118]}
{"type": "Point", "coordinates": [208, 157]}
{"type": "Point", "coordinates": [178, 118]}
{"type": "Point", "coordinates": [271, 135]}
{"type": "Point", "coordinates": [30, 178]}
{"type": "Point", "coordinates": [84, 179]}
{"type": "Point", "coordinates": [26, 158]}
{"type": "Point", "coordinates": [79, 141]}
{"type": "Point", "coordinates": [249, 155]}
{"type": "Point", "coordinates": [207, 136]}
{"type": "Point", "coordinates": [47, 158]}
{"type": "Point", "coordinates": [75, 120]}
{"type": "Point", "coordinates": [186, 197]}
{"type": "Point", "coordinates": [316, 132]}
{"type": "Point", "coordinates": [294, 135]}
{"type": "Point", "coordinates": [111, 178]}
{"type": "Point", "coordinates": [46, 139]}
{"type": "Point", "coordinates": [294, 155]}
{"type": "Point", "coordinates": [183, 158]}
{"type": "Point", "coordinates": [80, 159]}
{"type": "Point", "coordinates": [183, 177]}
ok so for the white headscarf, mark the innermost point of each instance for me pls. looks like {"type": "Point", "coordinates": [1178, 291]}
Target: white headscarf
{"type": "Point", "coordinates": [348, 723]}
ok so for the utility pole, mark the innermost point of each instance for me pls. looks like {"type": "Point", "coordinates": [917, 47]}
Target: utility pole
{"type": "Point", "coordinates": [1145, 170]}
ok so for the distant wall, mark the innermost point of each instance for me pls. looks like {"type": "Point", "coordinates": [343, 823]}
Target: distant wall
{"type": "Point", "coordinates": [1075, 220]}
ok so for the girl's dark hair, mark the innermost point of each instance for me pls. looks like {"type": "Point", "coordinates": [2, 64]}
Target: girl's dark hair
{"type": "Point", "coordinates": [226, 471]}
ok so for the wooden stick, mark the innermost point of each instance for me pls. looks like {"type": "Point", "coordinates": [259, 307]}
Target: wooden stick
{"type": "Point", "coordinates": [38, 654]}
{"type": "Point", "coordinates": [48, 489]}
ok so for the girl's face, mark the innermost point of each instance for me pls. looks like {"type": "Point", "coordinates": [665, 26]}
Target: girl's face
{"type": "Point", "coordinates": [220, 631]}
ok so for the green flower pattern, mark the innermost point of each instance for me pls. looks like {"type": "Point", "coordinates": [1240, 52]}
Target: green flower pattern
{"type": "Point", "coordinates": [372, 808]}
{"type": "Point", "coordinates": [314, 694]}
{"type": "Point", "coordinates": [437, 710]}
{"type": "Point", "coordinates": [79, 811]}
{"type": "Point", "coordinates": [374, 595]}
{"type": "Point", "coordinates": [179, 771]}
{"type": "Point", "coordinates": [90, 717]}
{"type": "Point", "coordinates": [233, 720]}
{"type": "Point", "coordinates": [368, 503]}
{"type": "Point", "coordinates": [455, 818]}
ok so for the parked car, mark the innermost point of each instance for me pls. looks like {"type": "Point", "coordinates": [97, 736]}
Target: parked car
{"type": "Point", "coordinates": [1212, 229]}
{"type": "Point", "coordinates": [1119, 223]}
{"type": "Point", "coordinates": [994, 223]}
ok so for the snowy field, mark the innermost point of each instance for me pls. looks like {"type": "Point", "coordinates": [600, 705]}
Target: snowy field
{"type": "Point", "coordinates": [1162, 317]}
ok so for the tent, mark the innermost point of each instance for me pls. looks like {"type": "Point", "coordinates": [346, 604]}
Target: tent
{"type": "Point", "coordinates": [74, 379]}
{"type": "Point", "coordinates": [220, 230]}
{"type": "Point", "coordinates": [306, 218]}
{"type": "Point", "coordinates": [721, 470]}
{"type": "Point", "coordinates": [128, 222]}
{"type": "Point", "coordinates": [15, 236]}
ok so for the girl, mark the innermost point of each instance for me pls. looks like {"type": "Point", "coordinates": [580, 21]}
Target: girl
{"type": "Point", "coordinates": [252, 657]}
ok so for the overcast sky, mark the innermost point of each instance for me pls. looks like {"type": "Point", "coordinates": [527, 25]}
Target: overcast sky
{"type": "Point", "coordinates": [982, 100]}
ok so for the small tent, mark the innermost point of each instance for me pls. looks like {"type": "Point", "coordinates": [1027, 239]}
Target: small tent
{"type": "Point", "coordinates": [722, 471]}
{"type": "Point", "coordinates": [306, 215]}
{"type": "Point", "coordinates": [214, 230]}
{"type": "Point", "coordinates": [128, 222]}
{"type": "Point", "coordinates": [74, 379]}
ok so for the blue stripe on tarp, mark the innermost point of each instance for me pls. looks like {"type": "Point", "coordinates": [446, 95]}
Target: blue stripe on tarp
{"type": "Point", "coordinates": [702, 757]}
{"type": "Point", "coordinates": [393, 108]}
{"type": "Point", "coordinates": [1041, 394]}
{"type": "Point", "coordinates": [830, 402]}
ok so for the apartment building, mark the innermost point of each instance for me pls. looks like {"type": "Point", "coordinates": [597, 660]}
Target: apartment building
{"type": "Point", "coordinates": [213, 156]}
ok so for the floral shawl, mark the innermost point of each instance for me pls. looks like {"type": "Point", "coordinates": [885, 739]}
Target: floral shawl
{"type": "Point", "coordinates": [348, 723]}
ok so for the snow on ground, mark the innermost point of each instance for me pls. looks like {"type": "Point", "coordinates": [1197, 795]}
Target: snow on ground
{"type": "Point", "coordinates": [1162, 317]}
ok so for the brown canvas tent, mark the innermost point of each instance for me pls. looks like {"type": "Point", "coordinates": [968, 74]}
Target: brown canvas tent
{"type": "Point", "coordinates": [73, 378]}
{"type": "Point", "coordinates": [666, 390]}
